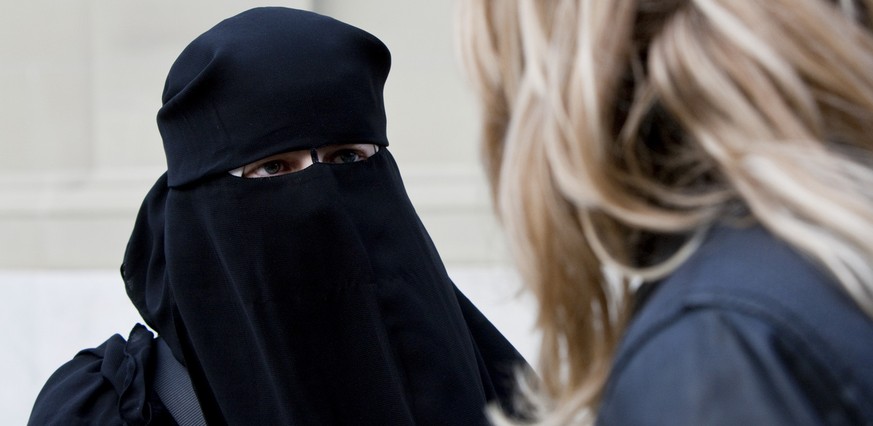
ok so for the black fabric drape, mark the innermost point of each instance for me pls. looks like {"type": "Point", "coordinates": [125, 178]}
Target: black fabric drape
{"type": "Point", "coordinates": [106, 385]}
{"type": "Point", "coordinates": [318, 298]}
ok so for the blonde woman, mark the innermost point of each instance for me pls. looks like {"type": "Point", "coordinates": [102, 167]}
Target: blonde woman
{"type": "Point", "coordinates": [687, 187]}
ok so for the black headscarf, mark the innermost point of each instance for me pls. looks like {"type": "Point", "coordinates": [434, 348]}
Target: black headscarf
{"type": "Point", "coordinates": [315, 297]}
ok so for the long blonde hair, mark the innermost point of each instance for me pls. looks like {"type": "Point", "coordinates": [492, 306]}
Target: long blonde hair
{"type": "Point", "coordinates": [607, 122]}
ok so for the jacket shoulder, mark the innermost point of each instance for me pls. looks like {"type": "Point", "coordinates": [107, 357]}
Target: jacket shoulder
{"type": "Point", "coordinates": [746, 312]}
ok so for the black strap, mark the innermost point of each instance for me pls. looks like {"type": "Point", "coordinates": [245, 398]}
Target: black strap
{"type": "Point", "coordinates": [173, 386]}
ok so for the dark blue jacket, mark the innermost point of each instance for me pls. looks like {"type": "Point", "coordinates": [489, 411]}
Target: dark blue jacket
{"type": "Point", "coordinates": [746, 332]}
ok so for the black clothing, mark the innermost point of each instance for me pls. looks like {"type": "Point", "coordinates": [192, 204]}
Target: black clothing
{"type": "Point", "coordinates": [114, 383]}
{"type": "Point", "coordinates": [746, 332]}
{"type": "Point", "coordinates": [106, 385]}
{"type": "Point", "coordinates": [311, 298]}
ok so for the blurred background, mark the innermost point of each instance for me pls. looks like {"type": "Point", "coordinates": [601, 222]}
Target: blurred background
{"type": "Point", "coordinates": [80, 84]}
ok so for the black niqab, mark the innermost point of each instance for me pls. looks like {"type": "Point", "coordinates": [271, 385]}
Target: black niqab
{"type": "Point", "coordinates": [315, 297]}
{"type": "Point", "coordinates": [267, 81]}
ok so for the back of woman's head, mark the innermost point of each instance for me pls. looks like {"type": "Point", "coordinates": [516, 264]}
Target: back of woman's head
{"type": "Point", "coordinates": [608, 122]}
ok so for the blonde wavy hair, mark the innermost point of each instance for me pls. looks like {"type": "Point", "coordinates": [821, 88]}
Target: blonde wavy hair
{"type": "Point", "coordinates": [608, 123]}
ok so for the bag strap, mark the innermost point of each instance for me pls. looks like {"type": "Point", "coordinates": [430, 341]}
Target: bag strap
{"type": "Point", "coordinates": [173, 386]}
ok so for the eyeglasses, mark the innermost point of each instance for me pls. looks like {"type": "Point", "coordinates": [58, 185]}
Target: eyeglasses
{"type": "Point", "coordinates": [294, 161]}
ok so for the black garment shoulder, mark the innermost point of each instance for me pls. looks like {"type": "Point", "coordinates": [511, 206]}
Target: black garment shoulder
{"type": "Point", "coordinates": [106, 385]}
{"type": "Point", "coordinates": [747, 331]}
{"type": "Point", "coordinates": [113, 384]}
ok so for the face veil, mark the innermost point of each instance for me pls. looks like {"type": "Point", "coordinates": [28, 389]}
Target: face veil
{"type": "Point", "coordinates": [315, 297]}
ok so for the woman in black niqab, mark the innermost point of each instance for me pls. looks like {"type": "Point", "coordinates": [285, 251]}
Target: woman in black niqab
{"type": "Point", "coordinates": [315, 297]}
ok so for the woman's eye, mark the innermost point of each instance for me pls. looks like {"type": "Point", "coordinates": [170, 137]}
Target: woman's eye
{"type": "Point", "coordinates": [267, 169]}
{"type": "Point", "coordinates": [272, 167]}
{"type": "Point", "coordinates": [344, 156]}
